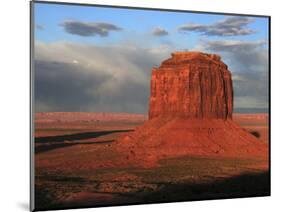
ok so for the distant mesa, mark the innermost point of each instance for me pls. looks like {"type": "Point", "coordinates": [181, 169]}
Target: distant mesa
{"type": "Point", "coordinates": [190, 114]}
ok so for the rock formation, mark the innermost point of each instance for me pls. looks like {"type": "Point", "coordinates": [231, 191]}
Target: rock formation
{"type": "Point", "coordinates": [191, 85]}
{"type": "Point", "coordinates": [190, 114]}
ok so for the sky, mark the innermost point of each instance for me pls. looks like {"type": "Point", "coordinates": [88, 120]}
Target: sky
{"type": "Point", "coordinates": [99, 59]}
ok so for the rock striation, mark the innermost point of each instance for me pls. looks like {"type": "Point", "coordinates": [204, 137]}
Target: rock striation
{"type": "Point", "coordinates": [191, 85]}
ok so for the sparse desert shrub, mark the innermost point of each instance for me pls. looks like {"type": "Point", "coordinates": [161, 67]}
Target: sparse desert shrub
{"type": "Point", "coordinates": [256, 134]}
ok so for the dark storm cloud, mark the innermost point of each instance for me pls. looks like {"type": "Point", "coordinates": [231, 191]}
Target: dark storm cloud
{"type": "Point", "coordinates": [228, 27]}
{"type": "Point", "coordinates": [159, 32]}
{"type": "Point", "coordinates": [89, 28]}
{"type": "Point", "coordinates": [61, 85]}
{"type": "Point", "coordinates": [93, 78]}
{"type": "Point", "coordinates": [248, 61]}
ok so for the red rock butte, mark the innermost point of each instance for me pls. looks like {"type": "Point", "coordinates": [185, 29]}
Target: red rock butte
{"type": "Point", "coordinates": [190, 114]}
{"type": "Point", "coordinates": [191, 85]}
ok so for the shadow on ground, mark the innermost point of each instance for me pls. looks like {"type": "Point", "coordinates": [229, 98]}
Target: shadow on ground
{"type": "Point", "coordinates": [44, 144]}
{"type": "Point", "coordinates": [52, 146]}
{"type": "Point", "coordinates": [76, 136]}
{"type": "Point", "coordinates": [246, 185]}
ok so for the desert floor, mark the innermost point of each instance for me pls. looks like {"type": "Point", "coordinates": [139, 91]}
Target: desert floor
{"type": "Point", "coordinates": [76, 166]}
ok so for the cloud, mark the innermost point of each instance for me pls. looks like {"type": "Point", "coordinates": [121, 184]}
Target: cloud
{"type": "Point", "coordinates": [80, 77]}
{"type": "Point", "coordinates": [234, 45]}
{"type": "Point", "coordinates": [39, 27]}
{"type": "Point", "coordinates": [87, 29]}
{"type": "Point", "coordinates": [248, 62]}
{"type": "Point", "coordinates": [157, 31]}
{"type": "Point", "coordinates": [245, 101]}
{"type": "Point", "coordinates": [232, 26]}
{"type": "Point", "coordinates": [246, 56]}
{"type": "Point", "coordinates": [61, 86]}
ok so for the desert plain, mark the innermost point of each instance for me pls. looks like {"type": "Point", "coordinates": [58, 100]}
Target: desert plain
{"type": "Point", "coordinates": [78, 166]}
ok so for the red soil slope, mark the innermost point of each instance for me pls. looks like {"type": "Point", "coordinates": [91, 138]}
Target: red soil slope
{"type": "Point", "coordinates": [173, 137]}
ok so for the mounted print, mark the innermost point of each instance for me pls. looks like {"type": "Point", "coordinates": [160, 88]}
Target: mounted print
{"type": "Point", "coordinates": [137, 105]}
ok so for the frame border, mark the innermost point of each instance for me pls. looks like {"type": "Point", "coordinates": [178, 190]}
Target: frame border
{"type": "Point", "coordinates": [31, 107]}
{"type": "Point", "coordinates": [32, 97]}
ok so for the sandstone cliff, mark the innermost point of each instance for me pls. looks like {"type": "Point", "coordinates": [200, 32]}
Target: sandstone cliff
{"type": "Point", "coordinates": [191, 85]}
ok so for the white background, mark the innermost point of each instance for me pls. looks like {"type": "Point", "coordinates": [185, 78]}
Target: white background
{"type": "Point", "coordinates": [14, 105]}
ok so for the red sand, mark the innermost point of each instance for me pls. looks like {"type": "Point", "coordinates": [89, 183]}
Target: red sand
{"type": "Point", "coordinates": [173, 137]}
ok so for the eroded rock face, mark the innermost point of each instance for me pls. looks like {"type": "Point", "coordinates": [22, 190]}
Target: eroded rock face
{"type": "Point", "coordinates": [190, 114]}
{"type": "Point", "coordinates": [191, 85]}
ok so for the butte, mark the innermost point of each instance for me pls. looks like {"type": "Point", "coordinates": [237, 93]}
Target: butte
{"type": "Point", "coordinates": [190, 114]}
